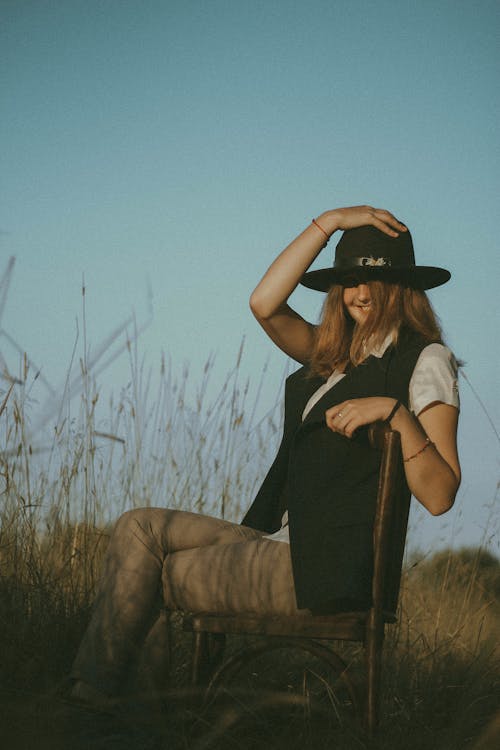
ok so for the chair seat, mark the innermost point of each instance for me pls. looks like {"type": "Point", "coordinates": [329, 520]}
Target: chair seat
{"type": "Point", "coordinates": [350, 626]}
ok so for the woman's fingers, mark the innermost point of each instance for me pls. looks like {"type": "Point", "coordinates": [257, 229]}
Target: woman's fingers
{"type": "Point", "coordinates": [386, 222]}
{"type": "Point", "coordinates": [346, 417]}
{"type": "Point", "coordinates": [341, 419]}
{"type": "Point", "coordinates": [386, 228]}
{"type": "Point", "coordinates": [358, 216]}
{"type": "Point", "coordinates": [345, 426]}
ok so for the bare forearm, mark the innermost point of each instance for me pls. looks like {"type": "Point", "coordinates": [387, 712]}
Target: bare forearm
{"type": "Point", "coordinates": [285, 272]}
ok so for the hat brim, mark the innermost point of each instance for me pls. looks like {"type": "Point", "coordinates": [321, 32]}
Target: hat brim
{"type": "Point", "coordinates": [417, 277]}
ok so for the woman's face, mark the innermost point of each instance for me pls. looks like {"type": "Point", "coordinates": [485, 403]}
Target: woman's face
{"type": "Point", "coordinates": [357, 302]}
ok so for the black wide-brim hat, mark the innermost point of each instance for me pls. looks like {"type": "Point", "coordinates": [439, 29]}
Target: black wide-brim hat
{"type": "Point", "coordinates": [368, 254]}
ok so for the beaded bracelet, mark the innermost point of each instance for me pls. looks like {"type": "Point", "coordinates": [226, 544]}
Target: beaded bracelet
{"type": "Point", "coordinates": [428, 442]}
{"type": "Point", "coordinates": [320, 229]}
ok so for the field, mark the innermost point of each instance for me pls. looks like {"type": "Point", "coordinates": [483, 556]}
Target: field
{"type": "Point", "coordinates": [68, 470]}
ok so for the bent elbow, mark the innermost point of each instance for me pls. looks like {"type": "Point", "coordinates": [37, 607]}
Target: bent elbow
{"type": "Point", "coordinates": [257, 306]}
{"type": "Point", "coordinates": [253, 303]}
{"type": "Point", "coordinates": [438, 509]}
{"type": "Point", "coordinates": [437, 491]}
{"type": "Point", "coordinates": [444, 503]}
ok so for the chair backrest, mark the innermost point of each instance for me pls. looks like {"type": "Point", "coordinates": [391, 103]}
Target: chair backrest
{"type": "Point", "coordinates": [391, 521]}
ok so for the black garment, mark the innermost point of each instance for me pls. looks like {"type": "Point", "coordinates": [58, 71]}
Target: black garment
{"type": "Point", "coordinates": [328, 482]}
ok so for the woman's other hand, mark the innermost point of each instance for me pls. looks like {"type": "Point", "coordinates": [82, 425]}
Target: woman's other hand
{"type": "Point", "coordinates": [345, 418]}
{"type": "Point", "coordinates": [360, 216]}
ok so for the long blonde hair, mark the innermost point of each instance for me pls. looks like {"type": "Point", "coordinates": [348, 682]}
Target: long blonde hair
{"type": "Point", "coordinates": [340, 341]}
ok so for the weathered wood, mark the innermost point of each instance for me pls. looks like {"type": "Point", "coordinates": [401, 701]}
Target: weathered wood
{"type": "Point", "coordinates": [345, 626]}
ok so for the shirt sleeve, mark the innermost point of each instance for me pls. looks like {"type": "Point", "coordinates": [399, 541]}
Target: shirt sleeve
{"type": "Point", "coordinates": [435, 378]}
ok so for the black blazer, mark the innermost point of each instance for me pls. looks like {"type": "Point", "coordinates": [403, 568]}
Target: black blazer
{"type": "Point", "coordinates": [328, 482]}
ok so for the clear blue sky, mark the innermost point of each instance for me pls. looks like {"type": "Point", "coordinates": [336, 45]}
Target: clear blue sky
{"type": "Point", "coordinates": [178, 145]}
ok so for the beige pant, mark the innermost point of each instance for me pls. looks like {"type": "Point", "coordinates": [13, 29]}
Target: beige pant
{"type": "Point", "coordinates": [201, 563]}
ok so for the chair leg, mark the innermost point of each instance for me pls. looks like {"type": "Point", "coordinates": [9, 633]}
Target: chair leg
{"type": "Point", "coordinates": [207, 654]}
{"type": "Point", "coordinates": [200, 659]}
{"type": "Point", "coordinates": [373, 652]}
{"type": "Point", "coordinates": [216, 649]}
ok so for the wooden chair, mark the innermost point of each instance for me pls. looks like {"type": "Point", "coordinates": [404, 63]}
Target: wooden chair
{"type": "Point", "coordinates": [309, 632]}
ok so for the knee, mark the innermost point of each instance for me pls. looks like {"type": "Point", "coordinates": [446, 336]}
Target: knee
{"type": "Point", "coordinates": [144, 522]}
{"type": "Point", "coordinates": [133, 520]}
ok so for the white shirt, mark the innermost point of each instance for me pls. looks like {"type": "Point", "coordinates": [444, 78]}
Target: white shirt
{"type": "Point", "coordinates": [435, 378]}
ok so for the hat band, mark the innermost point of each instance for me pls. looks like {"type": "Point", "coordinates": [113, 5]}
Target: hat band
{"type": "Point", "coordinates": [364, 261]}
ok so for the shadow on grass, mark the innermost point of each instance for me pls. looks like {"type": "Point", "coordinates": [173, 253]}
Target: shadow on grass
{"type": "Point", "coordinates": [283, 701]}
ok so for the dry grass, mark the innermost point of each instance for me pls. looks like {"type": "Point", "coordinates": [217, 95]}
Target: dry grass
{"type": "Point", "coordinates": [67, 469]}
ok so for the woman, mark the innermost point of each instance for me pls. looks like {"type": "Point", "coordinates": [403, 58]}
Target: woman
{"type": "Point", "coordinates": [377, 355]}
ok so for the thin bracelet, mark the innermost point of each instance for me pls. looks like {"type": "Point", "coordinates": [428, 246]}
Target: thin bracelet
{"type": "Point", "coordinates": [428, 442]}
{"type": "Point", "coordinates": [321, 229]}
{"type": "Point", "coordinates": [394, 410]}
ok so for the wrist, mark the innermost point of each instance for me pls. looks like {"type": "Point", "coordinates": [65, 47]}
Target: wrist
{"type": "Point", "coordinates": [399, 418]}
{"type": "Point", "coordinates": [329, 221]}
{"type": "Point", "coordinates": [395, 405]}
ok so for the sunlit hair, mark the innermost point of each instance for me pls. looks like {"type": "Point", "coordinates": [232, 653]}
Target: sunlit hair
{"type": "Point", "coordinates": [339, 340]}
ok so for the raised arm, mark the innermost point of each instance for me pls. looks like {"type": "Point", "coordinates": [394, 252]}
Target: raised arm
{"type": "Point", "coordinates": [268, 301]}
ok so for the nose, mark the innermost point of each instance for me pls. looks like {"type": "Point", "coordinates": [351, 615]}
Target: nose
{"type": "Point", "coordinates": [363, 293]}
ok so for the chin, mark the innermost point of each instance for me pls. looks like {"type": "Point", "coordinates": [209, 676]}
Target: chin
{"type": "Point", "coordinates": [359, 317]}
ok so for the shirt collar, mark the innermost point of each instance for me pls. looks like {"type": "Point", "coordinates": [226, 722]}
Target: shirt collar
{"type": "Point", "coordinates": [379, 351]}
{"type": "Point", "coordinates": [376, 351]}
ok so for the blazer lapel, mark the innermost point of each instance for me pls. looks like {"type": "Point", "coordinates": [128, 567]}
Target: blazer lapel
{"type": "Point", "coordinates": [333, 395]}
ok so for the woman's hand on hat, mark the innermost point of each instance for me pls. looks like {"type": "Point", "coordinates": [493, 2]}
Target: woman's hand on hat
{"type": "Point", "coordinates": [360, 216]}
{"type": "Point", "coordinates": [345, 418]}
